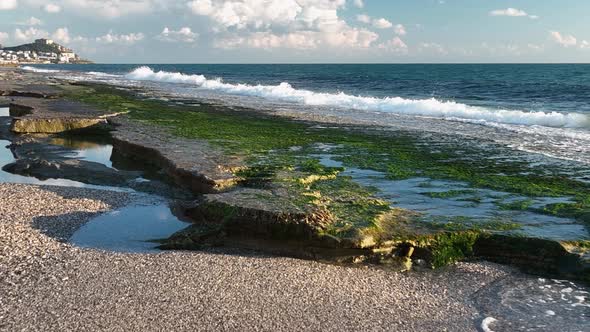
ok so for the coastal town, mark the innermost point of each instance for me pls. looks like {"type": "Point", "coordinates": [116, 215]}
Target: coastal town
{"type": "Point", "coordinates": [41, 51]}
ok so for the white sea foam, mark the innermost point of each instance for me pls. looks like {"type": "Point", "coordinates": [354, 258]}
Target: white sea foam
{"type": "Point", "coordinates": [485, 324]}
{"type": "Point", "coordinates": [418, 107]}
{"type": "Point", "coordinates": [39, 70]}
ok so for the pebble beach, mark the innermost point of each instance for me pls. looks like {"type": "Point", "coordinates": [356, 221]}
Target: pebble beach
{"type": "Point", "coordinates": [47, 284]}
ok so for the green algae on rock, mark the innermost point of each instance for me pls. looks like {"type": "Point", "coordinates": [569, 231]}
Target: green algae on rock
{"type": "Point", "coordinates": [279, 169]}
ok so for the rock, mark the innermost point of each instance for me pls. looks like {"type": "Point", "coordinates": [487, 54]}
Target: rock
{"type": "Point", "coordinates": [260, 213]}
{"type": "Point", "coordinates": [541, 256]}
{"type": "Point", "coordinates": [32, 115]}
{"type": "Point", "coordinates": [192, 164]}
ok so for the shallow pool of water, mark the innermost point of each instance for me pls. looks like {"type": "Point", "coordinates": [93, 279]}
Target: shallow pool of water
{"type": "Point", "coordinates": [6, 157]}
{"type": "Point", "coordinates": [129, 229]}
{"type": "Point", "coordinates": [4, 111]}
{"type": "Point", "coordinates": [98, 152]}
{"type": "Point", "coordinates": [478, 205]}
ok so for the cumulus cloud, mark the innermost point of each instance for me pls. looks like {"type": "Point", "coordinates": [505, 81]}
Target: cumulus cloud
{"type": "Point", "coordinates": [185, 35]}
{"type": "Point", "coordinates": [28, 35]}
{"type": "Point", "coordinates": [563, 39]}
{"type": "Point", "coordinates": [267, 40]}
{"type": "Point", "coordinates": [61, 35]}
{"type": "Point", "coordinates": [52, 8]}
{"type": "Point", "coordinates": [302, 24]}
{"type": "Point", "coordinates": [31, 21]}
{"type": "Point", "coordinates": [400, 30]}
{"type": "Point", "coordinates": [128, 39]}
{"type": "Point", "coordinates": [585, 45]}
{"type": "Point", "coordinates": [382, 23]}
{"type": "Point", "coordinates": [8, 4]}
{"type": "Point", "coordinates": [112, 8]}
{"type": "Point", "coordinates": [359, 3]}
{"type": "Point", "coordinates": [512, 12]}
{"type": "Point", "coordinates": [241, 14]}
{"type": "Point", "coordinates": [363, 18]}
{"type": "Point", "coordinates": [350, 38]}
{"type": "Point", "coordinates": [396, 44]}
{"type": "Point", "coordinates": [4, 36]}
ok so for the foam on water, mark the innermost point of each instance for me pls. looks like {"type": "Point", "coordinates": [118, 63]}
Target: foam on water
{"type": "Point", "coordinates": [418, 107]}
{"type": "Point", "coordinates": [39, 70]}
{"type": "Point", "coordinates": [485, 324]}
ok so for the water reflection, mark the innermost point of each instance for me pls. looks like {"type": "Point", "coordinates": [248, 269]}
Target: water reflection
{"type": "Point", "coordinates": [129, 229]}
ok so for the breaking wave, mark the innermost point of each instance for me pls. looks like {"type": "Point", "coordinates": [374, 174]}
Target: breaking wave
{"type": "Point", "coordinates": [419, 107]}
{"type": "Point", "coordinates": [39, 70]}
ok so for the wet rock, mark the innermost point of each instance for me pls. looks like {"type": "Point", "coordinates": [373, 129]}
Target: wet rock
{"type": "Point", "coordinates": [192, 164]}
{"type": "Point", "coordinates": [76, 170]}
{"type": "Point", "coordinates": [260, 213]}
{"type": "Point", "coordinates": [29, 89]}
{"type": "Point", "coordinates": [31, 115]}
{"type": "Point", "coordinates": [533, 255]}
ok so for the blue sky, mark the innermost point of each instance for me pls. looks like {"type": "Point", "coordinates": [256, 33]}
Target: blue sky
{"type": "Point", "coordinates": [273, 31]}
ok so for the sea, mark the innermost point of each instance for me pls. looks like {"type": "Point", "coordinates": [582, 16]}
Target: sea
{"type": "Point", "coordinates": [538, 108]}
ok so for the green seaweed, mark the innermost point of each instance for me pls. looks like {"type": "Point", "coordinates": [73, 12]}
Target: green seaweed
{"type": "Point", "coordinates": [266, 139]}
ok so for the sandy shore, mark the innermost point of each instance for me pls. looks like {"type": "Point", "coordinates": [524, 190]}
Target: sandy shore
{"type": "Point", "coordinates": [48, 285]}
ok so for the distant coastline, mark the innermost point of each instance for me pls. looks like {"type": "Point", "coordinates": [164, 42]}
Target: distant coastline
{"type": "Point", "coordinates": [41, 51]}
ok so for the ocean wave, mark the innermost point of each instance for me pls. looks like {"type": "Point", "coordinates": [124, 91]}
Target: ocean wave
{"type": "Point", "coordinates": [418, 107]}
{"type": "Point", "coordinates": [39, 70]}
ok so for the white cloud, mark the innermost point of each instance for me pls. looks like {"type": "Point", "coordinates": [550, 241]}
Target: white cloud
{"type": "Point", "coordinates": [52, 8]}
{"type": "Point", "coordinates": [28, 35]}
{"type": "Point", "coordinates": [349, 38]}
{"type": "Point", "coordinates": [396, 44]}
{"type": "Point", "coordinates": [513, 12]}
{"type": "Point", "coordinates": [128, 39]}
{"type": "Point", "coordinates": [359, 3]}
{"type": "Point", "coordinates": [584, 44]}
{"type": "Point", "coordinates": [4, 36]}
{"type": "Point", "coordinates": [241, 14]}
{"type": "Point", "coordinates": [563, 40]}
{"type": "Point", "coordinates": [267, 40]}
{"type": "Point", "coordinates": [400, 30]}
{"type": "Point", "coordinates": [268, 24]}
{"type": "Point", "coordinates": [433, 47]}
{"type": "Point", "coordinates": [184, 35]}
{"type": "Point", "coordinates": [8, 4]}
{"type": "Point", "coordinates": [382, 23]}
{"type": "Point", "coordinates": [112, 8]}
{"type": "Point", "coordinates": [33, 21]}
{"type": "Point", "coordinates": [535, 47]}
{"type": "Point", "coordinates": [61, 35]}
{"type": "Point", "coordinates": [363, 18]}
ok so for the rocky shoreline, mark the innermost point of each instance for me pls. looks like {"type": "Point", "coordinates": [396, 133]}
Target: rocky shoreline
{"type": "Point", "coordinates": [215, 191]}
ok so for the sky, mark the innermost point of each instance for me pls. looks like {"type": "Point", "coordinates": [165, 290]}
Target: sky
{"type": "Point", "coordinates": [306, 31]}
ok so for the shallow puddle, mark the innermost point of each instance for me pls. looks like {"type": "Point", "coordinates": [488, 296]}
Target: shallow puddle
{"type": "Point", "coordinates": [4, 111]}
{"type": "Point", "coordinates": [6, 157]}
{"type": "Point", "coordinates": [464, 204]}
{"type": "Point", "coordinates": [86, 150]}
{"type": "Point", "coordinates": [129, 229]}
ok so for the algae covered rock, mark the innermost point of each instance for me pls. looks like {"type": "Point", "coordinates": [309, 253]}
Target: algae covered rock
{"type": "Point", "coordinates": [260, 213]}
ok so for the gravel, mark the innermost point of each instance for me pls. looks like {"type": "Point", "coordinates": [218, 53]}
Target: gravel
{"type": "Point", "coordinates": [49, 285]}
